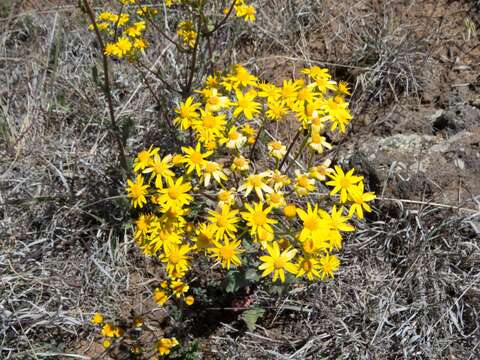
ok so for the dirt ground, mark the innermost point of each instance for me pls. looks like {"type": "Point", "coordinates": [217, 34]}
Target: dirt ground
{"type": "Point", "coordinates": [409, 287]}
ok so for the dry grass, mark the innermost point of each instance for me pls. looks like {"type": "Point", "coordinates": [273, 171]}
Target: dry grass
{"type": "Point", "coordinates": [409, 287]}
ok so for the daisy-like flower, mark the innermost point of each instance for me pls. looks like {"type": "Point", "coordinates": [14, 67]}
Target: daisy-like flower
{"type": "Point", "coordinates": [342, 182]}
{"type": "Point", "coordinates": [255, 182]}
{"type": "Point", "coordinates": [335, 220]}
{"type": "Point", "coordinates": [160, 168]}
{"type": "Point", "coordinates": [97, 319]}
{"type": "Point", "coordinates": [226, 197]}
{"type": "Point", "coordinates": [214, 100]}
{"type": "Point", "coordinates": [309, 267]}
{"type": "Point", "coordinates": [227, 253]}
{"type": "Point", "coordinates": [187, 112]}
{"type": "Point", "coordinates": [276, 110]}
{"type": "Point", "coordinates": [313, 227]}
{"type": "Point", "coordinates": [359, 200]}
{"type": "Point", "coordinates": [137, 191]}
{"type": "Point", "coordinates": [209, 126]}
{"type": "Point", "coordinates": [160, 297]}
{"type": "Point", "coordinates": [164, 345]}
{"type": "Point", "coordinates": [175, 193]}
{"type": "Point", "coordinates": [328, 264]}
{"type": "Point", "coordinates": [317, 142]}
{"type": "Point", "coordinates": [240, 163]}
{"type": "Point", "coordinates": [277, 262]}
{"type": "Point", "coordinates": [269, 91]}
{"type": "Point", "coordinates": [177, 259]}
{"type": "Point", "coordinates": [205, 236]}
{"type": "Point", "coordinates": [321, 171]}
{"type": "Point", "coordinates": [277, 180]}
{"type": "Point", "coordinates": [224, 221]}
{"type": "Point", "coordinates": [241, 77]}
{"type": "Point", "coordinates": [144, 158]}
{"type": "Point", "coordinates": [277, 149]}
{"type": "Point", "coordinates": [245, 105]}
{"type": "Point", "coordinates": [213, 170]}
{"type": "Point", "coordinates": [257, 218]}
{"type": "Point", "coordinates": [194, 158]}
{"type": "Point", "coordinates": [303, 184]}
{"type": "Point", "coordinates": [276, 199]}
{"type": "Point", "coordinates": [178, 288]}
{"type": "Point", "coordinates": [234, 139]}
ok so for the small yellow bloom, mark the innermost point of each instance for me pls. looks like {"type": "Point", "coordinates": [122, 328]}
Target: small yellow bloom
{"type": "Point", "coordinates": [97, 319]}
{"type": "Point", "coordinates": [189, 300]}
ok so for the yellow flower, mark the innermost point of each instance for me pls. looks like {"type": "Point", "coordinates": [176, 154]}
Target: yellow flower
{"type": "Point", "coordinates": [160, 169]}
{"type": "Point", "coordinates": [144, 158]}
{"type": "Point", "coordinates": [275, 199]}
{"type": "Point", "coordinates": [224, 221]}
{"type": "Point", "coordinates": [359, 198]}
{"type": "Point", "coordinates": [189, 300]}
{"type": "Point", "coordinates": [137, 191]}
{"type": "Point", "coordinates": [317, 142]}
{"type": "Point", "coordinates": [338, 113]}
{"type": "Point", "coordinates": [269, 91]}
{"type": "Point", "coordinates": [205, 235]}
{"type": "Point", "coordinates": [177, 260]}
{"type": "Point", "coordinates": [175, 193]}
{"type": "Point", "coordinates": [106, 343]}
{"type": "Point", "coordinates": [276, 149]}
{"type": "Point", "coordinates": [209, 127]}
{"type": "Point", "coordinates": [194, 158]}
{"type": "Point", "coordinates": [245, 104]}
{"type": "Point", "coordinates": [213, 169]}
{"type": "Point", "coordinates": [313, 227]}
{"type": "Point", "coordinates": [226, 197]}
{"type": "Point", "coordinates": [321, 171]}
{"type": "Point", "coordinates": [277, 180]}
{"type": "Point", "coordinates": [257, 218]}
{"type": "Point", "coordinates": [276, 110]}
{"type": "Point", "coordinates": [214, 100]}
{"type": "Point", "coordinates": [240, 163]}
{"type": "Point", "coordinates": [336, 221]}
{"type": "Point", "coordinates": [165, 345]}
{"type": "Point", "coordinates": [303, 184]}
{"type": "Point", "coordinates": [124, 45]}
{"type": "Point", "coordinates": [278, 262]}
{"type": "Point", "coordinates": [179, 287]}
{"type": "Point", "coordinates": [187, 112]}
{"type": "Point", "coordinates": [97, 319]}
{"type": "Point", "coordinates": [227, 253]}
{"type": "Point", "coordinates": [328, 264]}
{"type": "Point", "coordinates": [290, 211]}
{"type": "Point", "coordinates": [342, 182]}
{"type": "Point", "coordinates": [255, 182]}
{"type": "Point", "coordinates": [343, 88]}
{"type": "Point", "coordinates": [136, 29]}
{"type": "Point", "coordinates": [109, 330]}
{"type": "Point", "coordinates": [234, 139]}
{"type": "Point", "coordinates": [308, 267]}
{"type": "Point", "coordinates": [160, 297]}
{"type": "Point", "coordinates": [242, 77]}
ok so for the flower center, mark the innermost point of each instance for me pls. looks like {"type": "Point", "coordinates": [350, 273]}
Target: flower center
{"type": "Point", "coordinates": [226, 252]}
{"type": "Point", "coordinates": [173, 193]}
{"type": "Point", "coordinates": [233, 135]}
{"type": "Point", "coordinates": [303, 181]}
{"type": "Point", "coordinates": [196, 157]}
{"type": "Point", "coordinates": [259, 218]}
{"type": "Point", "coordinates": [280, 262]}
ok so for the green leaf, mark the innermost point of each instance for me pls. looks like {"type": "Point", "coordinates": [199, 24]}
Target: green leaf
{"type": "Point", "coordinates": [237, 279]}
{"type": "Point", "coordinates": [251, 316]}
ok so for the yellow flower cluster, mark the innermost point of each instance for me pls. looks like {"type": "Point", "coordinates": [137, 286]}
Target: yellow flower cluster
{"type": "Point", "coordinates": [245, 11]}
{"type": "Point", "coordinates": [215, 200]}
{"type": "Point", "coordinates": [177, 288]}
{"type": "Point", "coordinates": [126, 30]}
{"type": "Point", "coordinates": [186, 32]}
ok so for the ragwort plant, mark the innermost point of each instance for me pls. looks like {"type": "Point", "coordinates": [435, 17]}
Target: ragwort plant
{"type": "Point", "coordinates": [217, 204]}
